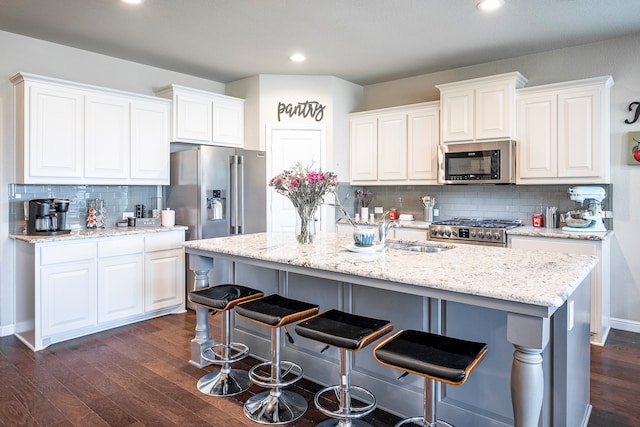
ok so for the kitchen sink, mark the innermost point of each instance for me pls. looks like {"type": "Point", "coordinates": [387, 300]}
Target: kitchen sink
{"type": "Point", "coordinates": [416, 247]}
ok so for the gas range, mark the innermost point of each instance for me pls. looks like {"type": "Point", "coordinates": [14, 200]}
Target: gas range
{"type": "Point", "coordinates": [476, 231]}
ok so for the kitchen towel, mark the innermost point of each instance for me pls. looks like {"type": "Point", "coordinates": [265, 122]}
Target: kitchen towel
{"type": "Point", "coordinates": [168, 218]}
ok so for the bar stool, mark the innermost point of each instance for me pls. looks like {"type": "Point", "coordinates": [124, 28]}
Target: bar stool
{"type": "Point", "coordinates": [226, 381]}
{"type": "Point", "coordinates": [276, 406]}
{"type": "Point", "coordinates": [436, 358]}
{"type": "Point", "coordinates": [348, 332]}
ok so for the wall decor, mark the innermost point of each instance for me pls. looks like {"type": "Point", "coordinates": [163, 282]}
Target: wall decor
{"type": "Point", "coordinates": [302, 109]}
{"type": "Point", "coordinates": [636, 113]}
{"type": "Point", "coordinates": [633, 150]}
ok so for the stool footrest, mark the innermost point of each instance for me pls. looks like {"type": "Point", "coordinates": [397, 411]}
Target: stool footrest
{"type": "Point", "coordinates": [286, 369]}
{"type": "Point", "coordinates": [216, 353]}
{"type": "Point", "coordinates": [420, 421]}
{"type": "Point", "coordinates": [365, 396]}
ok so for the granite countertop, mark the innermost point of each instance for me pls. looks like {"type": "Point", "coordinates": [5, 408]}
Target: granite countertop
{"type": "Point", "coordinates": [92, 233]}
{"type": "Point", "coordinates": [532, 277]}
{"type": "Point", "coordinates": [557, 233]}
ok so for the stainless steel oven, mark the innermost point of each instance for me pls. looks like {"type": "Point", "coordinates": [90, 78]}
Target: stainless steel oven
{"type": "Point", "coordinates": [489, 162]}
{"type": "Point", "coordinates": [475, 231]}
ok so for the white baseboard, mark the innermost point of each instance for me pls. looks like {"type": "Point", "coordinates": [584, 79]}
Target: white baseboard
{"type": "Point", "coordinates": [7, 330]}
{"type": "Point", "coordinates": [625, 325]}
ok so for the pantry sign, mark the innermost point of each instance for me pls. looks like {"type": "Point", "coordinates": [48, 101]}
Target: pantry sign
{"type": "Point", "coordinates": [311, 109]}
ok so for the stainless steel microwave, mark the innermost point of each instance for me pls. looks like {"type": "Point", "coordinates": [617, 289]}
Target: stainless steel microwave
{"type": "Point", "coordinates": [489, 162]}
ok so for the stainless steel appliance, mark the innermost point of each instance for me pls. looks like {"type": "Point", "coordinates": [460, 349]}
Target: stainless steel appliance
{"type": "Point", "coordinates": [47, 217]}
{"type": "Point", "coordinates": [216, 192]}
{"type": "Point", "coordinates": [476, 231]}
{"type": "Point", "coordinates": [489, 162]}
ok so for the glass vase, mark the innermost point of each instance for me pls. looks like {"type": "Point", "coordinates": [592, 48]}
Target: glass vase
{"type": "Point", "coordinates": [306, 224]}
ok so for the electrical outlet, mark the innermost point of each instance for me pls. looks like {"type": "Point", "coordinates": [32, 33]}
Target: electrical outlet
{"type": "Point", "coordinates": [126, 215]}
{"type": "Point", "coordinates": [436, 212]}
{"type": "Point", "coordinates": [378, 210]}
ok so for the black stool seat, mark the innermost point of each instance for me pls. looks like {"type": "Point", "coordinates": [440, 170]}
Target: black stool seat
{"type": "Point", "coordinates": [275, 310]}
{"type": "Point", "coordinates": [439, 357]}
{"type": "Point", "coordinates": [223, 297]}
{"type": "Point", "coordinates": [343, 330]}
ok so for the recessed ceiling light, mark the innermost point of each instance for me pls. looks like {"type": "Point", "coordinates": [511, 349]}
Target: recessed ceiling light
{"type": "Point", "coordinates": [489, 5]}
{"type": "Point", "coordinates": [132, 1]}
{"type": "Point", "coordinates": [297, 57]}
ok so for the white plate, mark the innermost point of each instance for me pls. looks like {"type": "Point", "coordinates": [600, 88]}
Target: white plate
{"type": "Point", "coordinates": [406, 217]}
{"type": "Point", "coordinates": [352, 247]}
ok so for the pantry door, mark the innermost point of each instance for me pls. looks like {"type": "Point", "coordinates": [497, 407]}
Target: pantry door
{"type": "Point", "coordinates": [286, 146]}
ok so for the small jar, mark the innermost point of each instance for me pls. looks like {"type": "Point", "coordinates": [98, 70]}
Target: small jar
{"type": "Point", "coordinates": [393, 214]}
{"type": "Point", "coordinates": [537, 221]}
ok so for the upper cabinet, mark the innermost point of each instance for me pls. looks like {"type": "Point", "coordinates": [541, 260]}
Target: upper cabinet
{"type": "Point", "coordinates": [480, 109]}
{"type": "Point", "coordinates": [395, 145]}
{"type": "Point", "coordinates": [563, 133]}
{"type": "Point", "coordinates": [71, 133]}
{"type": "Point", "coordinates": [201, 117]}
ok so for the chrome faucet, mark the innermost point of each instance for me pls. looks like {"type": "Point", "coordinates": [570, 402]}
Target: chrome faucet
{"type": "Point", "coordinates": [383, 228]}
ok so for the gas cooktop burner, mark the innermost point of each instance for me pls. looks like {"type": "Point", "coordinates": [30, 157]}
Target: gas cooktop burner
{"type": "Point", "coordinates": [481, 222]}
{"type": "Point", "coordinates": [479, 231]}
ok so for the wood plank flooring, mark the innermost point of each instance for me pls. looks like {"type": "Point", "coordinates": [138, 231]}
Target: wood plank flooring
{"type": "Point", "coordinates": [139, 375]}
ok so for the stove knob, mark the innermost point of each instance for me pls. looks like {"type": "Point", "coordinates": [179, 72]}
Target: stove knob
{"type": "Point", "coordinates": [434, 232]}
{"type": "Point", "coordinates": [488, 235]}
{"type": "Point", "coordinates": [447, 232]}
{"type": "Point", "coordinates": [473, 234]}
{"type": "Point", "coordinates": [455, 233]}
{"type": "Point", "coordinates": [441, 232]}
{"type": "Point", "coordinates": [481, 234]}
{"type": "Point", "coordinates": [496, 236]}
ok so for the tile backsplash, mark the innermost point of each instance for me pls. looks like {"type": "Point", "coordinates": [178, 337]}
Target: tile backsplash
{"type": "Point", "coordinates": [118, 199]}
{"type": "Point", "coordinates": [476, 201]}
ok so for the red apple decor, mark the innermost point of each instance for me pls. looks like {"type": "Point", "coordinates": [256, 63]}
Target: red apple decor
{"type": "Point", "coordinates": [636, 150]}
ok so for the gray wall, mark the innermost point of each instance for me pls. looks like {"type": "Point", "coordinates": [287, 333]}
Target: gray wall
{"type": "Point", "coordinates": [619, 58]}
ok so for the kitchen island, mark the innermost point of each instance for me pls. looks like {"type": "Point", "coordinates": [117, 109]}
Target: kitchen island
{"type": "Point", "coordinates": [535, 302]}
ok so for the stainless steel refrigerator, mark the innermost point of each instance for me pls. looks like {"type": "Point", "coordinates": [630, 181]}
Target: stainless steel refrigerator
{"type": "Point", "coordinates": [216, 192]}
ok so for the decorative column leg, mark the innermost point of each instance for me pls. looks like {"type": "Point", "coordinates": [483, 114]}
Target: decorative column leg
{"type": "Point", "coordinates": [200, 267]}
{"type": "Point", "coordinates": [527, 386]}
{"type": "Point", "coordinates": [529, 335]}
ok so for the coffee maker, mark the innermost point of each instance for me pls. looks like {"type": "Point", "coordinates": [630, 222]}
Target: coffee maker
{"type": "Point", "coordinates": [47, 217]}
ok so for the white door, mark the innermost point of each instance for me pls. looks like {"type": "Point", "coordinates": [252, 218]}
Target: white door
{"type": "Point", "coordinates": [290, 145]}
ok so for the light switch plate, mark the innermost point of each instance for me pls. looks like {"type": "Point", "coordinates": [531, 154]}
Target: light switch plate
{"type": "Point", "coordinates": [378, 210]}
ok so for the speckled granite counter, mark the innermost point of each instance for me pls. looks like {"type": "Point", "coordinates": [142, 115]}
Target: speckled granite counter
{"type": "Point", "coordinates": [541, 279]}
{"type": "Point", "coordinates": [557, 233]}
{"type": "Point", "coordinates": [92, 233]}
{"type": "Point", "coordinates": [536, 302]}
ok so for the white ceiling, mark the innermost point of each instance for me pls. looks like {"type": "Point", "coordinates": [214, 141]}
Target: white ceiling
{"type": "Point", "coordinates": [362, 41]}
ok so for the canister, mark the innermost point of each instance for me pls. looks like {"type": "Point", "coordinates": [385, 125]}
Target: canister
{"type": "Point", "coordinates": [168, 218]}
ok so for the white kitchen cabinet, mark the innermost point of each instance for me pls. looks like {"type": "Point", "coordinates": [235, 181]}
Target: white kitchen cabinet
{"type": "Point", "coordinates": [600, 275]}
{"type": "Point", "coordinates": [395, 145]}
{"type": "Point", "coordinates": [164, 271]}
{"type": "Point", "coordinates": [107, 140]}
{"type": "Point", "coordinates": [72, 133]}
{"type": "Point", "coordinates": [70, 288]}
{"type": "Point", "coordinates": [201, 117]}
{"type": "Point", "coordinates": [563, 133]}
{"type": "Point", "coordinates": [480, 109]}
{"type": "Point", "coordinates": [120, 278]}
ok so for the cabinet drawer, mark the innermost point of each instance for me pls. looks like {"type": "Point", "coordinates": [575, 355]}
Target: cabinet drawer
{"type": "Point", "coordinates": [163, 241]}
{"type": "Point", "coordinates": [56, 254]}
{"type": "Point", "coordinates": [116, 247]}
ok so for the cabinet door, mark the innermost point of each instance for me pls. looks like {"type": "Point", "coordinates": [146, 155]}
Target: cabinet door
{"type": "Point", "coordinates": [228, 122]}
{"type": "Point", "coordinates": [494, 112]}
{"type": "Point", "coordinates": [194, 118]}
{"type": "Point", "coordinates": [422, 139]}
{"type": "Point", "coordinates": [55, 140]}
{"type": "Point", "coordinates": [120, 287]}
{"type": "Point", "coordinates": [150, 142]}
{"type": "Point", "coordinates": [164, 276]}
{"type": "Point", "coordinates": [106, 137]}
{"type": "Point", "coordinates": [579, 134]}
{"type": "Point", "coordinates": [68, 298]}
{"type": "Point", "coordinates": [457, 115]}
{"type": "Point", "coordinates": [537, 136]}
{"type": "Point", "coordinates": [364, 149]}
{"type": "Point", "coordinates": [392, 147]}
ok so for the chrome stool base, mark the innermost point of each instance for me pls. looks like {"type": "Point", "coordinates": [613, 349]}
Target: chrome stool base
{"type": "Point", "coordinates": [221, 383]}
{"type": "Point", "coordinates": [275, 408]}
{"type": "Point", "coordinates": [421, 422]}
{"type": "Point", "coordinates": [343, 423]}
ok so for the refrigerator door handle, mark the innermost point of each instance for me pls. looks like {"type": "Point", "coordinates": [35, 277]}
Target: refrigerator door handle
{"type": "Point", "coordinates": [233, 214]}
{"type": "Point", "coordinates": [240, 194]}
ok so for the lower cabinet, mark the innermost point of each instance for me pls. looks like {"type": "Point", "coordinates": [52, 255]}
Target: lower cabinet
{"type": "Point", "coordinates": [67, 289]}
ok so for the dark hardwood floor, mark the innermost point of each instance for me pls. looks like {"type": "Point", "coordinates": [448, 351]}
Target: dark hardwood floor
{"type": "Point", "coordinates": [139, 375]}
